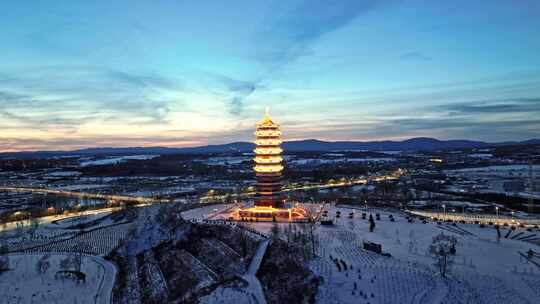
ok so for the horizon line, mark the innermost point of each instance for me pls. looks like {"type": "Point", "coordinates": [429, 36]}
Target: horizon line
{"type": "Point", "coordinates": [233, 142]}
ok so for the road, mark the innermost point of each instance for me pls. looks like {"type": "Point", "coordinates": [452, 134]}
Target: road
{"type": "Point", "coordinates": [108, 197]}
{"type": "Point", "coordinates": [352, 182]}
{"type": "Point", "coordinates": [104, 294]}
{"type": "Point", "coordinates": [254, 284]}
{"type": "Point", "coordinates": [472, 217]}
{"type": "Point", "coordinates": [151, 200]}
{"type": "Point", "coordinates": [143, 201]}
{"type": "Point", "coordinates": [50, 218]}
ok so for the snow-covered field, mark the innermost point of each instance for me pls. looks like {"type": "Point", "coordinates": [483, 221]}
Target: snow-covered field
{"type": "Point", "coordinates": [224, 295]}
{"type": "Point", "coordinates": [502, 168]}
{"type": "Point", "coordinates": [23, 283]}
{"type": "Point", "coordinates": [226, 160]}
{"type": "Point", "coordinates": [498, 172]}
{"type": "Point", "coordinates": [316, 161]}
{"type": "Point", "coordinates": [114, 160]}
{"type": "Point", "coordinates": [484, 270]}
{"type": "Point", "coordinates": [207, 212]}
{"type": "Point", "coordinates": [494, 179]}
{"type": "Point", "coordinates": [75, 187]}
{"type": "Point", "coordinates": [163, 191]}
{"type": "Point", "coordinates": [64, 174]}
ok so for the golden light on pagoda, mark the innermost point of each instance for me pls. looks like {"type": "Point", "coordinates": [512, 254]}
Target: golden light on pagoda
{"type": "Point", "coordinates": [268, 162]}
{"type": "Point", "coordinates": [268, 167]}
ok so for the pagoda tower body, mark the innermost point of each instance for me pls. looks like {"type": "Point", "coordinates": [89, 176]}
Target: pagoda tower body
{"type": "Point", "coordinates": [268, 163]}
{"type": "Point", "coordinates": [269, 203]}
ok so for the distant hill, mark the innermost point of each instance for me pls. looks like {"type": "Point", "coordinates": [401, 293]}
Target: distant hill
{"type": "Point", "coordinates": [413, 144]}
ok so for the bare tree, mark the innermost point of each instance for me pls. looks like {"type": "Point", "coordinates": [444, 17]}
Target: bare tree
{"type": "Point", "coordinates": [371, 223]}
{"type": "Point", "coordinates": [4, 258]}
{"type": "Point", "coordinates": [33, 227]}
{"type": "Point", "coordinates": [311, 226]}
{"type": "Point", "coordinates": [70, 263]}
{"type": "Point", "coordinates": [289, 237]}
{"type": "Point", "coordinates": [442, 249]}
{"type": "Point", "coordinates": [43, 264]}
{"type": "Point", "coordinates": [244, 240]}
{"type": "Point", "coordinates": [275, 231]}
{"type": "Point", "coordinates": [170, 219]}
{"type": "Point", "coordinates": [364, 194]}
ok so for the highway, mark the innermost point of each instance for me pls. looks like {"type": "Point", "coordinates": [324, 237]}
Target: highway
{"type": "Point", "coordinates": [107, 197]}
{"type": "Point", "coordinates": [352, 182]}
{"type": "Point", "coordinates": [143, 201]}
{"type": "Point", "coordinates": [151, 200]}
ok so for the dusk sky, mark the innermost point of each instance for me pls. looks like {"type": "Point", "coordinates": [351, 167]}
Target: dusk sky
{"type": "Point", "coordinates": [78, 74]}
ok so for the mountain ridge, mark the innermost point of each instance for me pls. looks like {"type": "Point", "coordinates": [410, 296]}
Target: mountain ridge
{"type": "Point", "coordinates": [313, 145]}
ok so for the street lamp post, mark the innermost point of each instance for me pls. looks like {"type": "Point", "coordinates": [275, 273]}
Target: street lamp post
{"type": "Point", "coordinates": [512, 216]}
{"type": "Point", "coordinates": [366, 205]}
{"type": "Point", "coordinates": [444, 211]}
{"type": "Point", "coordinates": [497, 212]}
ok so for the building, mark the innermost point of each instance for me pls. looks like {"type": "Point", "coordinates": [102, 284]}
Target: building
{"type": "Point", "coordinates": [269, 203]}
{"type": "Point", "coordinates": [268, 163]}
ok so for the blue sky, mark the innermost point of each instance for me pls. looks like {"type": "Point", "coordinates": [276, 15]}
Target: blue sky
{"type": "Point", "coordinates": [182, 73]}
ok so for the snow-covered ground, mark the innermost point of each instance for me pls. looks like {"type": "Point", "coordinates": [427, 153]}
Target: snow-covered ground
{"type": "Point", "coordinates": [75, 187]}
{"type": "Point", "coordinates": [207, 212]}
{"type": "Point", "coordinates": [226, 160]}
{"type": "Point", "coordinates": [163, 191]}
{"type": "Point", "coordinates": [501, 168]}
{"type": "Point", "coordinates": [316, 161]}
{"type": "Point", "coordinates": [484, 270]}
{"type": "Point", "coordinates": [224, 295]}
{"type": "Point", "coordinates": [23, 283]}
{"type": "Point", "coordinates": [495, 172]}
{"type": "Point", "coordinates": [503, 179]}
{"type": "Point", "coordinates": [64, 174]}
{"type": "Point", "coordinates": [114, 160]}
{"type": "Point", "coordinates": [44, 221]}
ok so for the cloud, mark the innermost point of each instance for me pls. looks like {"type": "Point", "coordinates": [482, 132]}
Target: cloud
{"type": "Point", "coordinates": [239, 86]}
{"type": "Point", "coordinates": [143, 81]}
{"type": "Point", "coordinates": [44, 122]}
{"type": "Point", "coordinates": [169, 138]}
{"type": "Point", "coordinates": [498, 106]}
{"type": "Point", "coordinates": [65, 94]}
{"type": "Point", "coordinates": [240, 91]}
{"type": "Point", "coordinates": [438, 127]}
{"type": "Point", "coordinates": [414, 56]}
{"type": "Point", "coordinates": [12, 98]}
{"type": "Point", "coordinates": [288, 34]}
{"type": "Point", "coordinates": [291, 33]}
{"type": "Point", "coordinates": [488, 119]}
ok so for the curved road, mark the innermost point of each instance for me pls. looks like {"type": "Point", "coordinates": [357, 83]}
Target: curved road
{"type": "Point", "coordinates": [254, 284]}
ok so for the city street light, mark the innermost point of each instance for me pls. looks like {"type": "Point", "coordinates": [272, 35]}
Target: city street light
{"type": "Point", "coordinates": [444, 211]}
{"type": "Point", "coordinates": [497, 212]}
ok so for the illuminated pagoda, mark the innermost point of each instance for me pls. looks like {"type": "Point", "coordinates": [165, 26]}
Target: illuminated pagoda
{"type": "Point", "coordinates": [269, 202]}
{"type": "Point", "coordinates": [268, 163]}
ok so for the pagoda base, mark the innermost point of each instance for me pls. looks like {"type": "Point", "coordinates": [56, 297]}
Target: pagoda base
{"type": "Point", "coordinates": [270, 214]}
